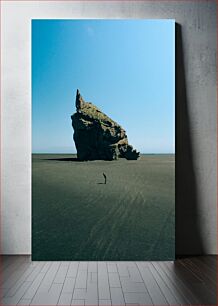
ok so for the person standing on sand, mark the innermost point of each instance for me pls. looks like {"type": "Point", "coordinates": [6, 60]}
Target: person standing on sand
{"type": "Point", "coordinates": [105, 178]}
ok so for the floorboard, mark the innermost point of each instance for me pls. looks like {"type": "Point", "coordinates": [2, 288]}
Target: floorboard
{"type": "Point", "coordinates": [187, 281]}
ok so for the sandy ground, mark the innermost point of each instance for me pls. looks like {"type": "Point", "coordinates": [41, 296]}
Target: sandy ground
{"type": "Point", "coordinates": [77, 217]}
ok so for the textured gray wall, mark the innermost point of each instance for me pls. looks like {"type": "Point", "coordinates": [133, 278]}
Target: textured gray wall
{"type": "Point", "coordinates": [196, 113]}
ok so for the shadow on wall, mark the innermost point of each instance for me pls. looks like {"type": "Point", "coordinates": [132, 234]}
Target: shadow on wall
{"type": "Point", "coordinates": [188, 232]}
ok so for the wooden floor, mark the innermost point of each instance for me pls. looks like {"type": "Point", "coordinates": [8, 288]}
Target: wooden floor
{"type": "Point", "coordinates": [188, 281]}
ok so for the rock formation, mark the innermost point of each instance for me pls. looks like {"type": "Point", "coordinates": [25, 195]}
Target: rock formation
{"type": "Point", "coordinates": [97, 136]}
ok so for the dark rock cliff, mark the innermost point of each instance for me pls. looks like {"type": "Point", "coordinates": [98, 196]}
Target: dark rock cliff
{"type": "Point", "coordinates": [97, 136]}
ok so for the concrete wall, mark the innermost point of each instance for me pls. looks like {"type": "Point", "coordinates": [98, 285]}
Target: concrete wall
{"type": "Point", "coordinates": [196, 113]}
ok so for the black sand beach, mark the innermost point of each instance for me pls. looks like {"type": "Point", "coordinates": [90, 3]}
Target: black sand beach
{"type": "Point", "coordinates": [78, 217]}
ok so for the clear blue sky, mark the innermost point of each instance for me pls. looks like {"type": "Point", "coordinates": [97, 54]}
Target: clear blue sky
{"type": "Point", "coordinates": [125, 67]}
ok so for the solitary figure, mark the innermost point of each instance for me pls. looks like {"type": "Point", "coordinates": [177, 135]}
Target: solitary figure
{"type": "Point", "coordinates": [105, 178]}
